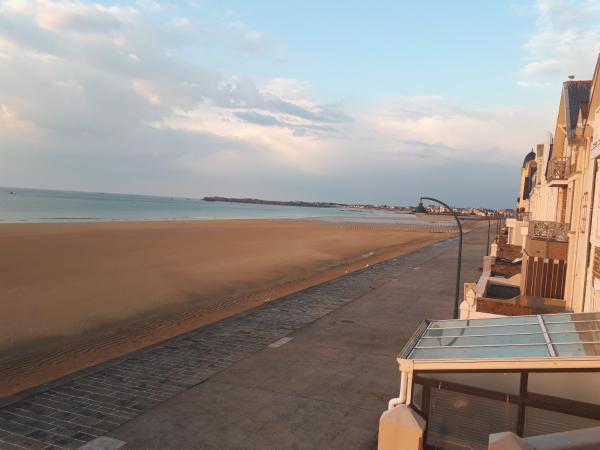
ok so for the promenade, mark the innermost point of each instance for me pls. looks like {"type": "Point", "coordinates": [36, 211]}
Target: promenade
{"type": "Point", "coordinates": [312, 370]}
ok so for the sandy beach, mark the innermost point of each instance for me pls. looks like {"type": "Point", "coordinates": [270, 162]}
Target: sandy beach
{"type": "Point", "coordinates": [76, 294]}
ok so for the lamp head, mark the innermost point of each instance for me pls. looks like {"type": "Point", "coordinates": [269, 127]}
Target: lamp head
{"type": "Point", "coordinates": [420, 208]}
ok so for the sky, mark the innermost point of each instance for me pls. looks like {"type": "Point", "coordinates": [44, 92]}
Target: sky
{"type": "Point", "coordinates": [347, 101]}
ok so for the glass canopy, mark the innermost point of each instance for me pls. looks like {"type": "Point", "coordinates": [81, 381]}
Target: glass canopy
{"type": "Point", "coordinates": [539, 336]}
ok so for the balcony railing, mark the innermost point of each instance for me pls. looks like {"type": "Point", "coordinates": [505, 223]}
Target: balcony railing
{"type": "Point", "coordinates": [548, 231]}
{"type": "Point", "coordinates": [522, 216]}
{"type": "Point", "coordinates": [559, 169]}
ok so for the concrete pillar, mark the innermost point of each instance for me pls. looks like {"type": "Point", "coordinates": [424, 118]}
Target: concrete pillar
{"type": "Point", "coordinates": [524, 234]}
{"type": "Point", "coordinates": [401, 428]}
{"type": "Point", "coordinates": [470, 300]}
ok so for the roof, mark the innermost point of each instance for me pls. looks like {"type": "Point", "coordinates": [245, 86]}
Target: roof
{"type": "Point", "coordinates": [529, 157]}
{"type": "Point", "coordinates": [576, 93]}
{"type": "Point", "coordinates": [554, 338]}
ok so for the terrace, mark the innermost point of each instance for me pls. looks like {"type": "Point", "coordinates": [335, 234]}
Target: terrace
{"type": "Point", "coordinates": [517, 228]}
{"type": "Point", "coordinates": [464, 380]}
{"type": "Point", "coordinates": [558, 171]}
{"type": "Point", "coordinates": [498, 289]}
{"type": "Point", "coordinates": [548, 231]}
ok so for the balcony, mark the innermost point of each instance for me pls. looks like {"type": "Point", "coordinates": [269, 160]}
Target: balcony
{"type": "Point", "coordinates": [548, 231]}
{"type": "Point", "coordinates": [559, 170]}
{"type": "Point", "coordinates": [464, 380]}
{"type": "Point", "coordinates": [522, 216]}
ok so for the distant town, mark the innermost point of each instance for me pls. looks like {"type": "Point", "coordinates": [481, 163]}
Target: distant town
{"type": "Point", "coordinates": [431, 209]}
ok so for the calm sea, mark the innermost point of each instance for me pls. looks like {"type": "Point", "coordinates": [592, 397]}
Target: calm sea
{"type": "Point", "coordinates": [36, 205]}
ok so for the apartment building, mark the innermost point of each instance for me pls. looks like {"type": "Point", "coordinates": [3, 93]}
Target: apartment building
{"type": "Point", "coordinates": [552, 245]}
{"type": "Point", "coordinates": [519, 370]}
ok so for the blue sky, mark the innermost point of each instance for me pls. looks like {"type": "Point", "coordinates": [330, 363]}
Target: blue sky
{"type": "Point", "coordinates": [394, 48]}
{"type": "Point", "coordinates": [361, 52]}
{"type": "Point", "coordinates": [348, 101]}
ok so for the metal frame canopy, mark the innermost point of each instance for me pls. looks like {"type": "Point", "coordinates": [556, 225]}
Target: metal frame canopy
{"type": "Point", "coordinates": [515, 343]}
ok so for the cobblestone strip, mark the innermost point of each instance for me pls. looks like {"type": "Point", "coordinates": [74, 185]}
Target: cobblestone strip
{"type": "Point", "coordinates": [70, 414]}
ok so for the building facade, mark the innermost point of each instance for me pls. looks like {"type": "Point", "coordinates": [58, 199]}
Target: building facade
{"type": "Point", "coordinates": [557, 224]}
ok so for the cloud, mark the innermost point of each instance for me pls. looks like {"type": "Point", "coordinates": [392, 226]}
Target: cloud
{"type": "Point", "coordinates": [125, 98]}
{"type": "Point", "coordinates": [259, 119]}
{"type": "Point", "coordinates": [79, 18]}
{"type": "Point", "coordinates": [551, 67]}
{"type": "Point", "coordinates": [459, 133]}
{"type": "Point", "coordinates": [566, 41]}
{"type": "Point", "coordinates": [535, 84]}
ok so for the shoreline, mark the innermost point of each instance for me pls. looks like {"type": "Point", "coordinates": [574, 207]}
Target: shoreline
{"type": "Point", "coordinates": [400, 217]}
{"type": "Point", "coordinates": [39, 360]}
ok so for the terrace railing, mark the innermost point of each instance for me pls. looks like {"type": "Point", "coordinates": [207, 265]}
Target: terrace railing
{"type": "Point", "coordinates": [559, 169]}
{"type": "Point", "coordinates": [549, 231]}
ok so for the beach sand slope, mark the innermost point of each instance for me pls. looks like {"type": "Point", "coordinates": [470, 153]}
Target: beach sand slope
{"type": "Point", "coordinates": [73, 295]}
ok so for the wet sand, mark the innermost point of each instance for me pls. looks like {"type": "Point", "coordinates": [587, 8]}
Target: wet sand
{"type": "Point", "coordinates": [73, 295]}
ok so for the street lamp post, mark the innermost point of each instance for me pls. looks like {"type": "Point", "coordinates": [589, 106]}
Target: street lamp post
{"type": "Point", "coordinates": [460, 242]}
{"type": "Point", "coordinates": [487, 248]}
{"type": "Point", "coordinates": [497, 227]}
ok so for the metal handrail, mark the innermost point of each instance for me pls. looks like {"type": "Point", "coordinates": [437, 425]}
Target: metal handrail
{"type": "Point", "coordinates": [549, 231]}
{"type": "Point", "coordinates": [559, 168]}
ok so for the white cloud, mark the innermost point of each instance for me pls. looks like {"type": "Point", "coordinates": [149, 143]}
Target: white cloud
{"type": "Point", "coordinates": [181, 22]}
{"type": "Point", "coordinates": [102, 85]}
{"type": "Point", "coordinates": [150, 5]}
{"type": "Point", "coordinates": [299, 92]}
{"type": "Point", "coordinates": [536, 84]}
{"type": "Point", "coordinates": [438, 127]}
{"type": "Point", "coordinates": [142, 88]}
{"type": "Point", "coordinates": [77, 17]}
{"type": "Point", "coordinates": [566, 41]}
{"type": "Point", "coordinates": [10, 122]}
{"type": "Point", "coordinates": [552, 67]}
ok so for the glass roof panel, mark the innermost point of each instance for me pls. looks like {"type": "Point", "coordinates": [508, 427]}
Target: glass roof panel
{"type": "Point", "coordinates": [577, 349]}
{"type": "Point", "coordinates": [551, 318]}
{"type": "Point", "coordinates": [547, 336]}
{"type": "Point", "coordinates": [508, 351]}
{"type": "Point", "coordinates": [572, 326]}
{"type": "Point", "coordinates": [505, 339]}
{"type": "Point", "coordinates": [434, 331]}
{"type": "Point", "coordinates": [495, 321]}
{"type": "Point", "coordinates": [575, 337]}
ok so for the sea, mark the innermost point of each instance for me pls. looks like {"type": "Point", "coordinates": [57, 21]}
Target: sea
{"type": "Point", "coordinates": [41, 205]}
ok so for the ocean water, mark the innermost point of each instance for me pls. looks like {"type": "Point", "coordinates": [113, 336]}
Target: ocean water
{"type": "Point", "coordinates": [36, 205]}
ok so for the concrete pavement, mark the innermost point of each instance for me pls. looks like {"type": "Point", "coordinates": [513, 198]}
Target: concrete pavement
{"type": "Point", "coordinates": [328, 385]}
